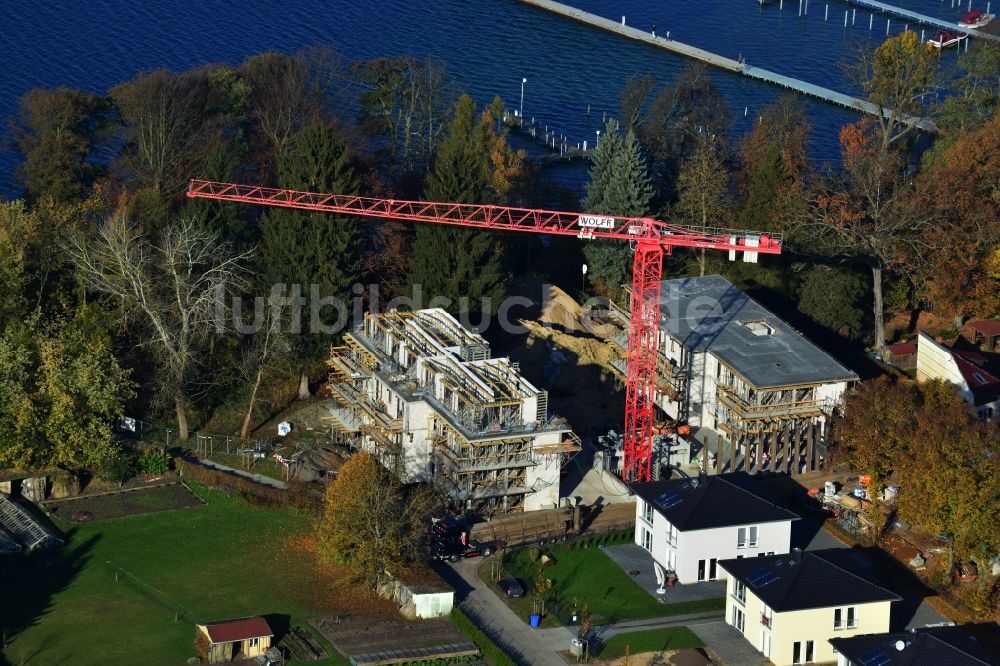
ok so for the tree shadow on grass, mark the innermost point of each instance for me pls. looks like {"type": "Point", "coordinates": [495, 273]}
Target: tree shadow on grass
{"type": "Point", "coordinates": [29, 585]}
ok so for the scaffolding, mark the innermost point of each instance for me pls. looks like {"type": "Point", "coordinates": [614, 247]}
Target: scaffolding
{"type": "Point", "coordinates": [488, 438]}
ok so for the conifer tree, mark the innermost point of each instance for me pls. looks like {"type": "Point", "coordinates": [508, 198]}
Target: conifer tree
{"type": "Point", "coordinates": [619, 185]}
{"type": "Point", "coordinates": [221, 217]}
{"type": "Point", "coordinates": [454, 262]}
{"type": "Point", "coordinates": [306, 249]}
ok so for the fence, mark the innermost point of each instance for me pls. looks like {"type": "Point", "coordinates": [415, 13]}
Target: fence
{"type": "Point", "coordinates": [204, 444]}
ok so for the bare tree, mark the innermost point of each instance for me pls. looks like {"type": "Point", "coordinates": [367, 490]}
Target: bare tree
{"type": "Point", "coordinates": [264, 350]}
{"type": "Point", "coordinates": [409, 104]}
{"type": "Point", "coordinates": [287, 93]}
{"type": "Point", "coordinates": [172, 124]}
{"type": "Point", "coordinates": [177, 285]}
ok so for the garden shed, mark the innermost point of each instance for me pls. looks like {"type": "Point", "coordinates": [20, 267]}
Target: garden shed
{"type": "Point", "coordinates": [244, 638]}
{"type": "Point", "coordinates": [38, 485]}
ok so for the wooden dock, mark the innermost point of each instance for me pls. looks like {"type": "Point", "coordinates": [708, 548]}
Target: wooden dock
{"type": "Point", "coordinates": [722, 62]}
{"type": "Point", "coordinates": [922, 19]}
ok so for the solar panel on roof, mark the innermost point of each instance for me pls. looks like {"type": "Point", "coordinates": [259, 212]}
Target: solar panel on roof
{"type": "Point", "coordinates": [761, 577]}
{"type": "Point", "coordinates": [668, 499]}
{"type": "Point", "coordinates": [874, 658]}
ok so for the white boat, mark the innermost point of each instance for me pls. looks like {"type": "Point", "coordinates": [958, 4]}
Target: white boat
{"type": "Point", "coordinates": [946, 38]}
{"type": "Point", "coordinates": [975, 18]}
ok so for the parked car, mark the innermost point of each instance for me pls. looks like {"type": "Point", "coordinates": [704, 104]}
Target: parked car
{"type": "Point", "coordinates": [511, 588]}
{"type": "Point", "coordinates": [455, 549]}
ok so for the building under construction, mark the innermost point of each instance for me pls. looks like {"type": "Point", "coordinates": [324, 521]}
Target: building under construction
{"type": "Point", "coordinates": [756, 392]}
{"type": "Point", "coordinates": [423, 394]}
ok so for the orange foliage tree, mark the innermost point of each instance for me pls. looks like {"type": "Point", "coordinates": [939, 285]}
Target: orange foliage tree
{"type": "Point", "coordinates": [931, 443]}
{"type": "Point", "coordinates": [370, 521]}
{"type": "Point", "coordinates": [959, 259]}
{"type": "Point", "coordinates": [860, 212]}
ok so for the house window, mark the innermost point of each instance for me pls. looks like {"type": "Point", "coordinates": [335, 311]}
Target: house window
{"type": "Point", "coordinates": [765, 615]}
{"type": "Point", "coordinates": [739, 620]}
{"type": "Point", "coordinates": [740, 591]}
{"type": "Point", "coordinates": [253, 643]}
{"type": "Point", "coordinates": [647, 539]}
{"type": "Point", "coordinates": [671, 560]}
{"type": "Point", "coordinates": [647, 512]}
{"type": "Point", "coordinates": [802, 652]}
{"type": "Point", "coordinates": [845, 617]}
{"type": "Point", "coordinates": [671, 535]}
{"type": "Point", "coordinates": [746, 537]}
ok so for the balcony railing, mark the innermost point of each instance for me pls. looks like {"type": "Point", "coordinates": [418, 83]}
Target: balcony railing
{"type": "Point", "coordinates": [742, 408]}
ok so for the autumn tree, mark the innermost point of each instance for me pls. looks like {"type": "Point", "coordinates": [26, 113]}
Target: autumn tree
{"type": "Point", "coordinates": [473, 164]}
{"type": "Point", "coordinates": [311, 251]}
{"type": "Point", "coordinates": [370, 521]}
{"type": "Point", "coordinates": [949, 473]}
{"type": "Point", "coordinates": [877, 425]}
{"type": "Point", "coordinates": [774, 171]}
{"type": "Point", "coordinates": [955, 199]}
{"type": "Point", "coordinates": [175, 288]}
{"type": "Point", "coordinates": [619, 185]}
{"type": "Point", "coordinates": [703, 190]}
{"type": "Point", "coordinates": [895, 76]}
{"type": "Point", "coordinates": [930, 442]}
{"type": "Point", "coordinates": [859, 212]}
{"type": "Point", "coordinates": [61, 391]}
{"type": "Point", "coordinates": [975, 99]}
{"type": "Point", "coordinates": [56, 135]}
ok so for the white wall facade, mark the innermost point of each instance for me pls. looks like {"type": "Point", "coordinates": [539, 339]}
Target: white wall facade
{"type": "Point", "coordinates": [690, 553]}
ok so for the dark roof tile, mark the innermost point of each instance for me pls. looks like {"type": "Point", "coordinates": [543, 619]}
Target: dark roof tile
{"type": "Point", "coordinates": [706, 502]}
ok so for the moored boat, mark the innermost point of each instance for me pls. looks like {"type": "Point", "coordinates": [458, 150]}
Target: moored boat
{"type": "Point", "coordinates": [975, 18]}
{"type": "Point", "coordinates": [946, 38]}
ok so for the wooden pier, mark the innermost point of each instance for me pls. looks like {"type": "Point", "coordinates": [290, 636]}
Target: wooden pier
{"type": "Point", "coordinates": [923, 19]}
{"type": "Point", "coordinates": [724, 63]}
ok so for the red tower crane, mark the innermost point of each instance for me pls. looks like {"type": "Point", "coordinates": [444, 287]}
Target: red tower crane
{"type": "Point", "coordinates": [650, 238]}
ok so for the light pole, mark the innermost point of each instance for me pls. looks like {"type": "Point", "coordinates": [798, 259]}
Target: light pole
{"type": "Point", "coordinates": [598, 143]}
{"type": "Point", "coordinates": [583, 278]}
{"type": "Point", "coordinates": [521, 110]}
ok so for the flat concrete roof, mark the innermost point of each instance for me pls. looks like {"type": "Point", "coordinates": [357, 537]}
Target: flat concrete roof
{"type": "Point", "coordinates": [710, 314]}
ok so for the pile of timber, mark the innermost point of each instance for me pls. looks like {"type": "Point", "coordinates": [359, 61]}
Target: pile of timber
{"type": "Point", "coordinates": [555, 524]}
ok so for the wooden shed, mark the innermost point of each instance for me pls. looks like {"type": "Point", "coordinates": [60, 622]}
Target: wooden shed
{"type": "Point", "coordinates": [244, 638]}
{"type": "Point", "coordinates": [902, 355]}
{"type": "Point", "coordinates": [38, 485]}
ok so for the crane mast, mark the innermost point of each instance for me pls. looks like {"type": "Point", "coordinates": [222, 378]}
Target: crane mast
{"type": "Point", "coordinates": [651, 240]}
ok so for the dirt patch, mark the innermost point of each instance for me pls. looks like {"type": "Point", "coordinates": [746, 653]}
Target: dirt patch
{"type": "Point", "coordinates": [131, 502]}
{"type": "Point", "coordinates": [358, 635]}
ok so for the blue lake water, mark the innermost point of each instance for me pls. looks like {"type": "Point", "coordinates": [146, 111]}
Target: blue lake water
{"type": "Point", "coordinates": [489, 46]}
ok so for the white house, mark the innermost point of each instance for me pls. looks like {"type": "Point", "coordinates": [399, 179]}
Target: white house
{"type": "Point", "coordinates": [751, 386]}
{"type": "Point", "coordinates": [690, 525]}
{"type": "Point", "coordinates": [928, 645]}
{"type": "Point", "coordinates": [963, 369]}
{"type": "Point", "coordinates": [790, 606]}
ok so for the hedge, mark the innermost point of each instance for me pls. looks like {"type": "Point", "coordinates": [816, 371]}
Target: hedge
{"type": "Point", "coordinates": [490, 650]}
{"type": "Point", "coordinates": [257, 494]}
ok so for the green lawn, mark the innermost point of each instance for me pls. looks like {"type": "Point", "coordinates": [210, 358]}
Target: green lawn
{"type": "Point", "coordinates": [652, 640]}
{"type": "Point", "coordinates": [219, 561]}
{"type": "Point", "coordinates": [581, 575]}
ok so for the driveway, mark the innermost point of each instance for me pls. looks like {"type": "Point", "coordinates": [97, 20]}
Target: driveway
{"type": "Point", "coordinates": [524, 644]}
